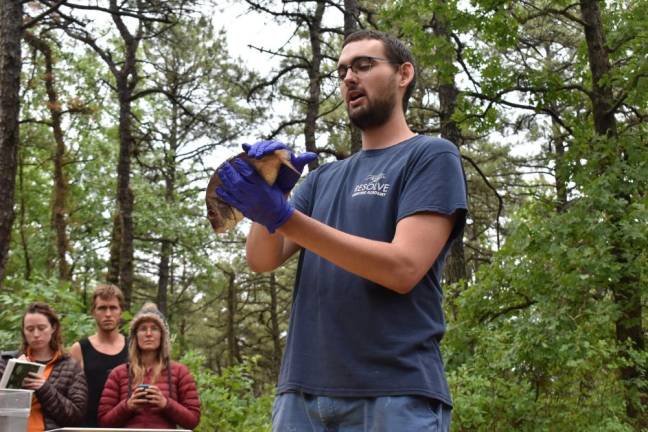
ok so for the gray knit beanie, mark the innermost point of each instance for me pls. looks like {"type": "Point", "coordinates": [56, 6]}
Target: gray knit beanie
{"type": "Point", "coordinates": [150, 312]}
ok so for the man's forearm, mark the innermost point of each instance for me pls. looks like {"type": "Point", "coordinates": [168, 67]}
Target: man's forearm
{"type": "Point", "coordinates": [265, 251]}
{"type": "Point", "coordinates": [397, 265]}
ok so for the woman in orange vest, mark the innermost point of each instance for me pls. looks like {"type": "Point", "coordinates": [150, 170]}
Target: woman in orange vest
{"type": "Point", "coordinates": [60, 392]}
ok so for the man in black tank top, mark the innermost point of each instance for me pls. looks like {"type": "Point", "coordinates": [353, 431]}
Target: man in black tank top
{"type": "Point", "coordinates": [104, 350]}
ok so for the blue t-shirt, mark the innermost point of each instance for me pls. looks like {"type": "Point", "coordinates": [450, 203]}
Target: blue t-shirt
{"type": "Point", "coordinates": [349, 336]}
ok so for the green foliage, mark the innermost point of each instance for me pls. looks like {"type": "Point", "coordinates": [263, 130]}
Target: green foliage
{"type": "Point", "coordinates": [75, 321]}
{"type": "Point", "coordinates": [228, 400]}
{"type": "Point", "coordinates": [539, 325]}
{"type": "Point", "coordinates": [531, 343]}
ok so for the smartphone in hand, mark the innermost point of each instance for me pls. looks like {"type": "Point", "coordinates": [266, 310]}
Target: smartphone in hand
{"type": "Point", "coordinates": [143, 388]}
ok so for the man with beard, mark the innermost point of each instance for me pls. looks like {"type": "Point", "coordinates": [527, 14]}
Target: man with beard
{"type": "Point", "coordinates": [104, 350]}
{"type": "Point", "coordinates": [373, 232]}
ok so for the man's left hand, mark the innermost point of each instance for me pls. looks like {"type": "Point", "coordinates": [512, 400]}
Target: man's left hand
{"type": "Point", "coordinates": [287, 178]}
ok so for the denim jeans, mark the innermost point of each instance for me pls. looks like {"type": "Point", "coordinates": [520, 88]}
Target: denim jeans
{"type": "Point", "coordinates": [299, 412]}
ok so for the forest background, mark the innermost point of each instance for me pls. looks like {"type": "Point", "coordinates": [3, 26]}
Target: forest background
{"type": "Point", "coordinates": [114, 113]}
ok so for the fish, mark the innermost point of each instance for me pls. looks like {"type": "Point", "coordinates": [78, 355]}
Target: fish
{"type": "Point", "coordinates": [224, 217]}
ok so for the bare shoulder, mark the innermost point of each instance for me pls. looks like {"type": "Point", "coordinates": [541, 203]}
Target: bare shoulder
{"type": "Point", "coordinates": [75, 353]}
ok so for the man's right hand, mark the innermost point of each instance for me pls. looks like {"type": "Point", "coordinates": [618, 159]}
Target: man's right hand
{"type": "Point", "coordinates": [287, 178]}
{"type": "Point", "coordinates": [242, 187]}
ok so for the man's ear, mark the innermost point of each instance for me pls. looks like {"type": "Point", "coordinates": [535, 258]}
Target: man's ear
{"type": "Point", "coordinates": [407, 74]}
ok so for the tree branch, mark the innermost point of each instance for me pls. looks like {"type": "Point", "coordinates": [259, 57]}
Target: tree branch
{"type": "Point", "coordinates": [506, 310]}
{"type": "Point", "coordinates": [500, 201]}
{"type": "Point", "coordinates": [32, 22]}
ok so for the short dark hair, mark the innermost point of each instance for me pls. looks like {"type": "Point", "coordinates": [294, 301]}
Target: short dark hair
{"type": "Point", "coordinates": [395, 51]}
{"type": "Point", "coordinates": [56, 343]}
{"type": "Point", "coordinates": [107, 292]}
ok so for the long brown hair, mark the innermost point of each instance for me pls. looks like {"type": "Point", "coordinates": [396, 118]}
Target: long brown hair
{"type": "Point", "coordinates": [137, 369]}
{"type": "Point", "coordinates": [56, 343]}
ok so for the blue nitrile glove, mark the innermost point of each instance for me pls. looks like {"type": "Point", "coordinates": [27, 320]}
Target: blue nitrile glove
{"type": "Point", "coordinates": [287, 178]}
{"type": "Point", "coordinates": [263, 148]}
{"type": "Point", "coordinates": [246, 190]}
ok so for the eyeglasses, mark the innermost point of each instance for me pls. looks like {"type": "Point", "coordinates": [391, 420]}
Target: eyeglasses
{"type": "Point", "coordinates": [152, 328]}
{"type": "Point", "coordinates": [360, 65]}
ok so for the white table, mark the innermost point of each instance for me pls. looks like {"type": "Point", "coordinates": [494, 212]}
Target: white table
{"type": "Point", "coordinates": [79, 429]}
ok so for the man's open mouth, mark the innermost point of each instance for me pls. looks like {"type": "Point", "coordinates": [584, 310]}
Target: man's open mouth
{"type": "Point", "coordinates": [354, 96]}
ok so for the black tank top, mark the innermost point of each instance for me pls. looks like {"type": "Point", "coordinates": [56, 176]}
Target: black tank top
{"type": "Point", "coordinates": [97, 367]}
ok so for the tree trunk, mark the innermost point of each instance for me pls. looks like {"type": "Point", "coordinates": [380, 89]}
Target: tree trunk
{"type": "Point", "coordinates": [455, 269]}
{"type": "Point", "coordinates": [560, 168]}
{"type": "Point", "coordinates": [315, 79]}
{"type": "Point", "coordinates": [125, 73]}
{"type": "Point", "coordinates": [182, 334]}
{"type": "Point", "coordinates": [166, 250]}
{"type": "Point", "coordinates": [163, 276]}
{"type": "Point", "coordinates": [23, 221]}
{"type": "Point", "coordinates": [112, 276]}
{"type": "Point", "coordinates": [274, 323]}
{"type": "Point", "coordinates": [233, 354]}
{"type": "Point", "coordinates": [351, 15]}
{"type": "Point", "coordinates": [629, 324]}
{"type": "Point", "coordinates": [124, 194]}
{"type": "Point", "coordinates": [59, 213]}
{"type": "Point", "coordinates": [599, 62]}
{"type": "Point", "coordinates": [10, 66]}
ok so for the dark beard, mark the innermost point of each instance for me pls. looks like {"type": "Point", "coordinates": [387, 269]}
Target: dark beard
{"type": "Point", "coordinates": [376, 114]}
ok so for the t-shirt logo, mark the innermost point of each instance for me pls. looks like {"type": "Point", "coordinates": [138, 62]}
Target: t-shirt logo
{"type": "Point", "coordinates": [373, 184]}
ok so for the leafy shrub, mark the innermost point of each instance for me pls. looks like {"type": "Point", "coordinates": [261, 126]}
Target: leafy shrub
{"type": "Point", "coordinates": [75, 321]}
{"type": "Point", "coordinates": [229, 401]}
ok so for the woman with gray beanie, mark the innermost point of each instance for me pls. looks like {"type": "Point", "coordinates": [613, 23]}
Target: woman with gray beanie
{"type": "Point", "coordinates": [150, 391]}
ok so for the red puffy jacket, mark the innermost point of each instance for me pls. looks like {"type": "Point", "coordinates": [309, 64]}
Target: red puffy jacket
{"type": "Point", "coordinates": [183, 404]}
